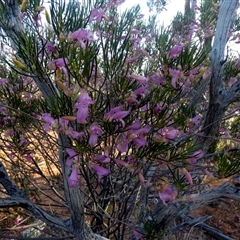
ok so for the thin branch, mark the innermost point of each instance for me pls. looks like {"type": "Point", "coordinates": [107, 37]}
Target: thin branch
{"type": "Point", "coordinates": [212, 231]}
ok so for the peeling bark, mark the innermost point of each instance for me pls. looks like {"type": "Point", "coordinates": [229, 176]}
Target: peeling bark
{"type": "Point", "coordinates": [217, 96]}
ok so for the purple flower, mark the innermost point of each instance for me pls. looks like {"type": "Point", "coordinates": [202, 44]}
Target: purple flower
{"type": "Point", "coordinates": [95, 131]}
{"type": "Point", "coordinates": [175, 51]}
{"type": "Point", "coordinates": [72, 155]}
{"type": "Point", "coordinates": [60, 62]}
{"type": "Point", "coordinates": [138, 136]}
{"type": "Point", "coordinates": [167, 195]}
{"type": "Point", "coordinates": [175, 76]}
{"type": "Point", "coordinates": [63, 123]}
{"type": "Point", "coordinates": [73, 179]}
{"type": "Point", "coordinates": [96, 14]}
{"type": "Point", "coordinates": [102, 158]}
{"type": "Point", "coordinates": [75, 134]}
{"type": "Point", "coordinates": [48, 118]}
{"type": "Point", "coordinates": [197, 119]}
{"type": "Point", "coordinates": [18, 220]}
{"type": "Point", "coordinates": [116, 114]}
{"type": "Point", "coordinates": [158, 79]}
{"type": "Point", "coordinates": [101, 171]}
{"type": "Point", "coordinates": [51, 48]}
{"type": "Point", "coordinates": [138, 235]}
{"type": "Point", "coordinates": [159, 107]}
{"type": "Point", "coordinates": [188, 176]}
{"type": "Point", "coordinates": [132, 59]}
{"type": "Point", "coordinates": [82, 106]}
{"type": "Point", "coordinates": [231, 81]}
{"type": "Point", "coordinates": [195, 156]}
{"type": "Point", "coordinates": [82, 36]}
{"type": "Point", "coordinates": [123, 145]}
{"type": "Point", "coordinates": [28, 157]}
{"type": "Point", "coordinates": [3, 82]}
{"type": "Point", "coordinates": [141, 178]}
{"type": "Point", "coordinates": [166, 134]}
{"type": "Point", "coordinates": [135, 31]}
{"type": "Point", "coordinates": [121, 162]}
{"type": "Point", "coordinates": [140, 91]}
{"type": "Point", "coordinates": [135, 125]}
{"type": "Point", "coordinates": [132, 99]}
{"type": "Point", "coordinates": [138, 78]}
{"type": "Point", "coordinates": [49, 121]}
{"type": "Point", "coordinates": [140, 141]}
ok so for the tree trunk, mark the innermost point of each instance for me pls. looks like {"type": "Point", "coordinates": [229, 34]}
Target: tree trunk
{"type": "Point", "coordinates": [217, 94]}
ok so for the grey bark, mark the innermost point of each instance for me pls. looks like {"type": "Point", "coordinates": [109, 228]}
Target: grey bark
{"type": "Point", "coordinates": [219, 98]}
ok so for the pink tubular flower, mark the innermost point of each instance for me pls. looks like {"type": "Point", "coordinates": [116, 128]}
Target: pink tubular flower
{"type": "Point", "coordinates": [102, 158]}
{"type": "Point", "coordinates": [138, 235]}
{"type": "Point", "coordinates": [28, 157]}
{"type": "Point", "coordinates": [116, 114]}
{"type": "Point", "coordinates": [72, 156]}
{"type": "Point", "coordinates": [197, 119]}
{"type": "Point", "coordinates": [135, 31]}
{"type": "Point", "coordinates": [195, 156]}
{"type": "Point", "coordinates": [231, 81]}
{"type": "Point", "coordinates": [48, 118]}
{"type": "Point", "coordinates": [60, 62]}
{"type": "Point", "coordinates": [3, 82]}
{"type": "Point", "coordinates": [74, 134]}
{"type": "Point", "coordinates": [51, 48]}
{"type": "Point", "coordinates": [175, 76]}
{"type": "Point", "coordinates": [171, 134]}
{"type": "Point", "coordinates": [188, 176]}
{"type": "Point", "coordinates": [96, 14]}
{"type": "Point", "coordinates": [95, 131]}
{"type": "Point", "coordinates": [167, 195]}
{"type": "Point", "coordinates": [121, 162]}
{"type": "Point", "coordinates": [82, 105]}
{"type": "Point", "coordinates": [138, 78]}
{"type": "Point", "coordinates": [141, 178]}
{"type": "Point", "coordinates": [198, 154]}
{"type": "Point", "coordinates": [63, 123]}
{"type": "Point", "coordinates": [159, 107]}
{"type": "Point", "coordinates": [82, 36]}
{"type": "Point", "coordinates": [166, 134]}
{"type": "Point", "coordinates": [140, 91]}
{"type": "Point", "coordinates": [158, 79]}
{"type": "Point", "coordinates": [132, 59]}
{"type": "Point", "coordinates": [139, 136]}
{"type": "Point", "coordinates": [123, 145]}
{"type": "Point", "coordinates": [18, 220]}
{"type": "Point", "coordinates": [49, 121]}
{"type": "Point", "coordinates": [135, 125]}
{"type": "Point", "coordinates": [175, 51]}
{"type": "Point", "coordinates": [101, 171]}
{"type": "Point", "coordinates": [73, 179]}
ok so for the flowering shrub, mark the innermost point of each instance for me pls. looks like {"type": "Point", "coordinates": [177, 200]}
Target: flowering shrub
{"type": "Point", "coordinates": [114, 95]}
